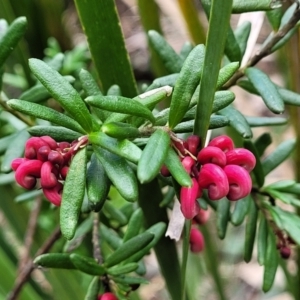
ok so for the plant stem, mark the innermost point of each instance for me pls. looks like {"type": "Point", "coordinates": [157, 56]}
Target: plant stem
{"type": "Point", "coordinates": [185, 253]}
{"type": "Point", "coordinates": [95, 239]}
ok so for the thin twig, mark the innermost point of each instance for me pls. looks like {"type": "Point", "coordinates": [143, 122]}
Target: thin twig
{"type": "Point", "coordinates": [267, 49]}
{"type": "Point", "coordinates": [95, 240]}
{"type": "Point", "coordinates": [27, 270]}
{"type": "Point", "coordinates": [31, 228]}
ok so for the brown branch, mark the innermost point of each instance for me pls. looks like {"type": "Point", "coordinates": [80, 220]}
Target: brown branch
{"type": "Point", "coordinates": [95, 239]}
{"type": "Point", "coordinates": [29, 267]}
{"type": "Point", "coordinates": [267, 49]}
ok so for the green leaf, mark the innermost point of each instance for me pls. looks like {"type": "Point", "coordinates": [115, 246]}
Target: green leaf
{"type": "Point", "coordinates": [223, 216]}
{"type": "Point", "coordinates": [124, 269]}
{"type": "Point", "coordinates": [262, 142]}
{"type": "Point", "coordinates": [100, 22]}
{"type": "Point", "coordinates": [265, 121]}
{"type": "Point", "coordinates": [217, 33]}
{"type": "Point", "coordinates": [120, 130]}
{"type": "Point", "coordinates": [45, 113]}
{"type": "Point", "coordinates": [87, 265]}
{"type": "Point", "coordinates": [97, 184]}
{"type": "Point", "coordinates": [186, 84]}
{"type": "Point", "coordinates": [250, 231]}
{"type": "Point", "coordinates": [171, 60]}
{"type": "Point", "coordinates": [153, 156]}
{"type": "Point", "coordinates": [123, 148]}
{"type": "Point", "coordinates": [274, 16]}
{"type": "Point", "coordinates": [54, 260]}
{"type": "Point", "coordinates": [176, 169]}
{"type": "Point", "coordinates": [271, 261]}
{"type": "Point", "coordinates": [110, 237]}
{"type": "Point", "coordinates": [134, 225]}
{"type": "Point", "coordinates": [114, 90]}
{"type": "Point", "coordinates": [163, 81]}
{"type": "Point", "coordinates": [58, 133]}
{"type": "Point", "coordinates": [226, 73]}
{"type": "Point", "coordinates": [11, 37]}
{"type": "Point", "coordinates": [240, 211]}
{"type": "Point", "coordinates": [266, 89]}
{"type": "Point", "coordinates": [130, 280]}
{"type": "Point", "coordinates": [241, 34]}
{"type": "Point", "coordinates": [129, 248]}
{"type": "Point", "coordinates": [280, 154]}
{"type": "Point", "coordinates": [120, 104]}
{"type": "Point", "coordinates": [240, 6]}
{"type": "Point", "coordinates": [62, 91]}
{"type": "Point", "coordinates": [93, 289]}
{"type": "Point", "coordinates": [114, 213]}
{"type": "Point", "coordinates": [262, 240]}
{"type": "Point", "coordinates": [73, 193]}
{"type": "Point", "coordinates": [119, 172]}
{"type": "Point", "coordinates": [237, 121]}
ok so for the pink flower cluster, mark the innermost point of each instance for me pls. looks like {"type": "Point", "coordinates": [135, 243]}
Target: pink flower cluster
{"type": "Point", "coordinates": [45, 161]}
{"type": "Point", "coordinates": [107, 296]}
{"type": "Point", "coordinates": [219, 168]}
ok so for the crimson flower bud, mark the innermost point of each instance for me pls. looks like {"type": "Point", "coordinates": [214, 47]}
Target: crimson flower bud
{"type": "Point", "coordinates": [32, 146]}
{"type": "Point", "coordinates": [193, 142]}
{"type": "Point", "coordinates": [164, 171]}
{"type": "Point", "coordinates": [188, 163]}
{"type": "Point", "coordinates": [27, 172]}
{"type": "Point", "coordinates": [285, 252]}
{"type": "Point", "coordinates": [107, 296]}
{"type": "Point", "coordinates": [42, 153]}
{"type": "Point", "coordinates": [48, 178]}
{"type": "Point", "coordinates": [56, 157]}
{"type": "Point", "coordinates": [240, 182]}
{"type": "Point", "coordinates": [64, 171]}
{"type": "Point", "coordinates": [17, 162]}
{"type": "Point", "coordinates": [212, 155]}
{"type": "Point", "coordinates": [213, 178]}
{"type": "Point", "coordinates": [202, 217]}
{"type": "Point", "coordinates": [64, 145]}
{"type": "Point", "coordinates": [188, 200]}
{"type": "Point", "coordinates": [180, 145]}
{"type": "Point", "coordinates": [241, 157]}
{"type": "Point", "coordinates": [196, 240]}
{"type": "Point", "coordinates": [50, 141]}
{"type": "Point", "coordinates": [54, 194]}
{"type": "Point", "coordinates": [223, 142]}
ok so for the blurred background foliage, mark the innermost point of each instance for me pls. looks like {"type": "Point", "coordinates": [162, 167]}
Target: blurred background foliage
{"type": "Point", "coordinates": [53, 27]}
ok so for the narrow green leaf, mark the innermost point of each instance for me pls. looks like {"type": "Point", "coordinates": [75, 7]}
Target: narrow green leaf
{"type": "Point", "coordinates": [262, 240]}
{"type": "Point", "coordinates": [124, 269]}
{"type": "Point", "coordinates": [110, 237]}
{"type": "Point", "coordinates": [73, 194]}
{"type": "Point", "coordinates": [242, 34]}
{"type": "Point", "coordinates": [176, 169]}
{"type": "Point", "coordinates": [120, 104]}
{"type": "Point", "coordinates": [114, 90]}
{"type": "Point", "coordinates": [11, 37]}
{"type": "Point", "coordinates": [240, 6]}
{"type": "Point", "coordinates": [250, 231]}
{"type": "Point", "coordinates": [226, 73]}
{"type": "Point", "coordinates": [274, 16]}
{"type": "Point", "coordinates": [240, 211]}
{"type": "Point", "coordinates": [119, 172]}
{"type": "Point", "coordinates": [217, 32]}
{"type": "Point", "coordinates": [93, 289]}
{"type": "Point", "coordinates": [58, 133]}
{"type": "Point", "coordinates": [262, 142]}
{"type": "Point", "coordinates": [271, 261]}
{"type": "Point", "coordinates": [171, 60]}
{"type": "Point", "coordinates": [54, 260]}
{"type": "Point", "coordinates": [87, 265]}
{"type": "Point", "coordinates": [5, 141]}
{"type": "Point", "coordinates": [100, 22]}
{"type": "Point", "coordinates": [114, 213]}
{"type": "Point", "coordinates": [186, 49]}
{"type": "Point", "coordinates": [129, 248]}
{"type": "Point", "coordinates": [265, 121]}
{"type": "Point", "coordinates": [186, 84]}
{"type": "Point", "coordinates": [62, 91]}
{"type": "Point", "coordinates": [134, 225]}
{"type": "Point", "coordinates": [237, 121]}
{"type": "Point", "coordinates": [280, 154]}
{"type": "Point", "coordinates": [130, 280]}
{"type": "Point", "coordinates": [14, 150]}
{"type": "Point", "coordinates": [97, 184]}
{"type": "Point", "coordinates": [163, 81]}
{"type": "Point", "coordinates": [223, 216]}
{"type": "Point", "coordinates": [45, 113]}
{"type": "Point", "coordinates": [88, 83]}
{"type": "Point", "coordinates": [120, 130]}
{"type": "Point", "coordinates": [282, 185]}
{"type": "Point", "coordinates": [123, 148]}
{"type": "Point", "coordinates": [153, 156]}
{"type": "Point", "coordinates": [266, 89]}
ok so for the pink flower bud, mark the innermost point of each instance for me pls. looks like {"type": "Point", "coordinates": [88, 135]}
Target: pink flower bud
{"type": "Point", "coordinates": [107, 296]}
{"type": "Point", "coordinates": [241, 157]}
{"type": "Point", "coordinates": [188, 163]}
{"type": "Point", "coordinates": [180, 145]}
{"type": "Point", "coordinates": [193, 143]}
{"type": "Point", "coordinates": [164, 171]}
{"type": "Point", "coordinates": [223, 142]}
{"type": "Point", "coordinates": [196, 240]}
{"type": "Point", "coordinates": [212, 155]}
{"type": "Point", "coordinates": [64, 171]}
{"type": "Point", "coordinates": [285, 252]}
{"type": "Point", "coordinates": [32, 146]}
{"type": "Point", "coordinates": [50, 141]}
{"type": "Point", "coordinates": [240, 182]}
{"type": "Point", "coordinates": [188, 200]}
{"type": "Point", "coordinates": [54, 194]}
{"type": "Point", "coordinates": [17, 162]}
{"type": "Point", "coordinates": [42, 153]}
{"type": "Point", "coordinates": [213, 178]}
{"type": "Point", "coordinates": [56, 157]}
{"type": "Point", "coordinates": [64, 145]}
{"type": "Point", "coordinates": [27, 172]}
{"type": "Point", "coordinates": [48, 178]}
{"type": "Point", "coordinates": [202, 217]}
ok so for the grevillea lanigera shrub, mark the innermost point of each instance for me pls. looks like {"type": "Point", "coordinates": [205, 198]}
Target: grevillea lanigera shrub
{"type": "Point", "coordinates": [105, 167]}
